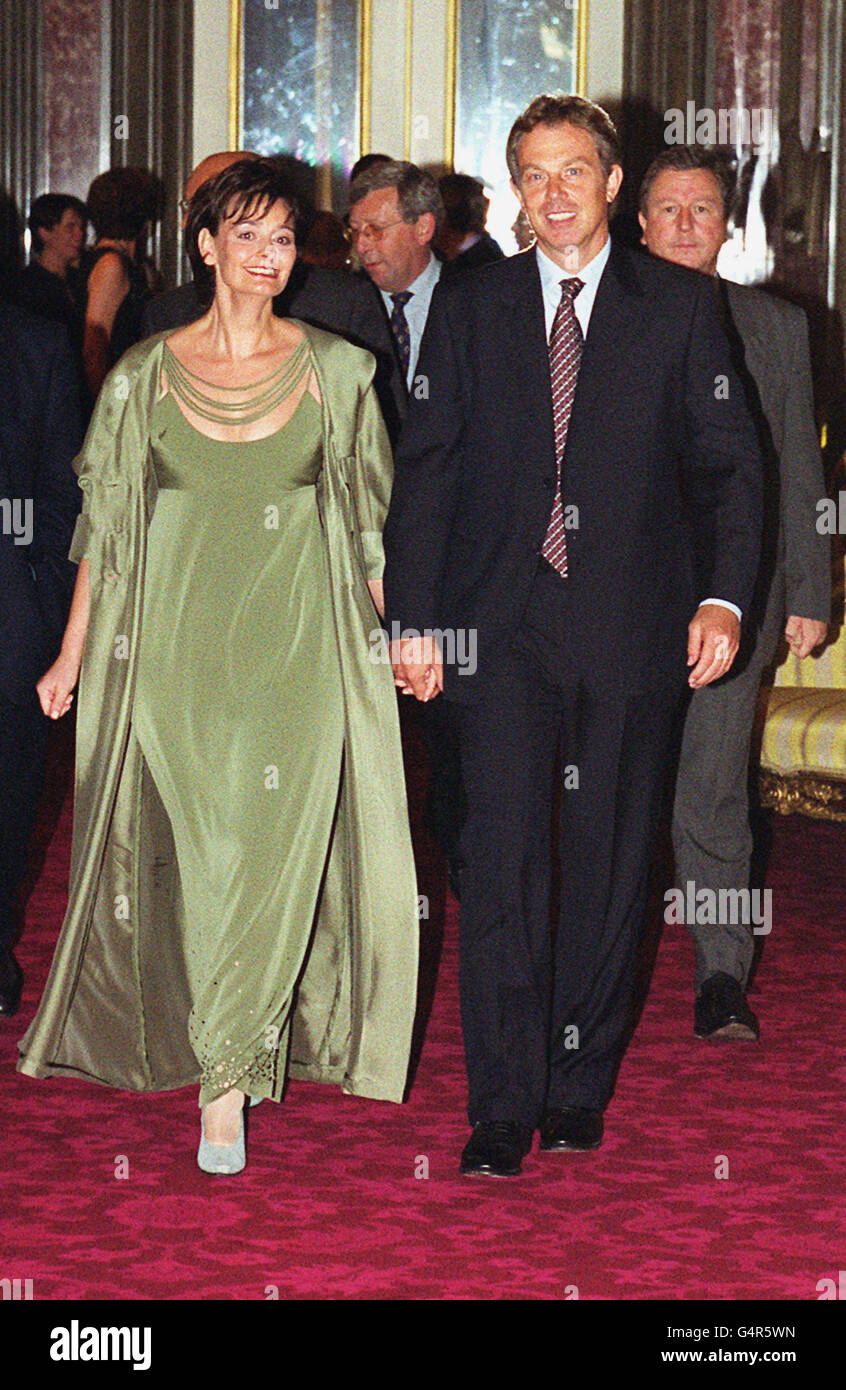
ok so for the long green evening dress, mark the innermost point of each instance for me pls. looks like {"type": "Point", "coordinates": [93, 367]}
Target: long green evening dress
{"type": "Point", "coordinates": [239, 713]}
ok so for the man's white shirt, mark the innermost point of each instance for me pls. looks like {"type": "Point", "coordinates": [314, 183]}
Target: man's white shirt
{"type": "Point", "coordinates": [417, 309]}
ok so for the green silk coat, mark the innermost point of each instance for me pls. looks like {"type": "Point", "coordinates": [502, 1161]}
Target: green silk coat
{"type": "Point", "coordinates": [116, 1003]}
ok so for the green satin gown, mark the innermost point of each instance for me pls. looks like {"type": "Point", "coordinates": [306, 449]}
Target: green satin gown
{"type": "Point", "coordinates": [239, 712]}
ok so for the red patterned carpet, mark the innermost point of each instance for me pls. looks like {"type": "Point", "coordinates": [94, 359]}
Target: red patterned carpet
{"type": "Point", "coordinates": [345, 1198]}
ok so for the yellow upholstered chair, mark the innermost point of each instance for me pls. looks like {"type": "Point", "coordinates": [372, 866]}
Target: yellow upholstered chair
{"type": "Point", "coordinates": [803, 737]}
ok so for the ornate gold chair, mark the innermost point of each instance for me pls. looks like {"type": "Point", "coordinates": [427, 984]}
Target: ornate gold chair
{"type": "Point", "coordinates": [803, 737]}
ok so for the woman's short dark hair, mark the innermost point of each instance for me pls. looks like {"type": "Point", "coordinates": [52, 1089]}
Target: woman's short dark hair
{"type": "Point", "coordinates": [248, 186]}
{"type": "Point", "coordinates": [123, 200]}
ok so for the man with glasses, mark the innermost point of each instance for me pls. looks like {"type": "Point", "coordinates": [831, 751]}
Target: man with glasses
{"type": "Point", "coordinates": [395, 211]}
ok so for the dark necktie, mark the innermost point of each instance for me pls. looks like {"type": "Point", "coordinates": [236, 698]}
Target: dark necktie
{"type": "Point", "coordinates": [565, 354]}
{"type": "Point", "coordinates": [399, 328]}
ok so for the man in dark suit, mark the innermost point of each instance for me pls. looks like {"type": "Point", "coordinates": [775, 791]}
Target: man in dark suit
{"type": "Point", "coordinates": [463, 239]}
{"type": "Point", "coordinates": [685, 198]}
{"type": "Point", "coordinates": [40, 432]}
{"type": "Point", "coordinates": [396, 212]}
{"type": "Point", "coordinates": [335, 300]}
{"type": "Point", "coordinates": [49, 286]}
{"type": "Point", "coordinates": [544, 491]}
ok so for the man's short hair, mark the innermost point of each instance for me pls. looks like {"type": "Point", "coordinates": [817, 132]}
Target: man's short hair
{"type": "Point", "coordinates": [248, 186]}
{"type": "Point", "coordinates": [465, 202]}
{"type": "Point", "coordinates": [47, 211]}
{"type": "Point", "coordinates": [367, 161]}
{"type": "Point", "coordinates": [566, 110]}
{"type": "Point", "coordinates": [417, 191]}
{"type": "Point", "coordinates": [683, 158]}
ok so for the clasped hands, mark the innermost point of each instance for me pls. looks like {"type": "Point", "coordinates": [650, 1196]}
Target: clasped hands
{"type": "Point", "coordinates": [418, 667]}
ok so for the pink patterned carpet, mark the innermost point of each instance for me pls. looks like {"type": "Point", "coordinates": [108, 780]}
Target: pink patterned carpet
{"type": "Point", "coordinates": [344, 1198]}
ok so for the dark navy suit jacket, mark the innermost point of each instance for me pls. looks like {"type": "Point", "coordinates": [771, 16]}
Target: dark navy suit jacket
{"type": "Point", "coordinates": [662, 465]}
{"type": "Point", "coordinates": [40, 433]}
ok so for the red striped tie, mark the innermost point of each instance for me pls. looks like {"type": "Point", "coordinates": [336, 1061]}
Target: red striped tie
{"type": "Point", "coordinates": [565, 354]}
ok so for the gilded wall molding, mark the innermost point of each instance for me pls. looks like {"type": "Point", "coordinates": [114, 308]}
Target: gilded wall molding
{"type": "Point", "coordinates": [236, 72]}
{"type": "Point", "coordinates": [450, 82]}
{"type": "Point", "coordinates": [581, 48]}
{"type": "Point", "coordinates": [365, 74]}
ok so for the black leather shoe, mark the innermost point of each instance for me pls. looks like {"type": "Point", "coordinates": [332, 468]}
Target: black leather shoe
{"type": "Point", "coordinates": [11, 981]}
{"type": "Point", "coordinates": [571, 1129]}
{"type": "Point", "coordinates": [722, 1013]}
{"type": "Point", "coordinates": [496, 1149]}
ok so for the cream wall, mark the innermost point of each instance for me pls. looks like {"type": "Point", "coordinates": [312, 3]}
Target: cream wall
{"type": "Point", "coordinates": [211, 77]}
{"type": "Point", "coordinates": [407, 119]}
{"type": "Point", "coordinates": [605, 50]}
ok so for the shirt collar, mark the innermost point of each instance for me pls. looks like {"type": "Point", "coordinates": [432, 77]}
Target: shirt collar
{"type": "Point", "coordinates": [590, 274]}
{"type": "Point", "coordinates": [426, 280]}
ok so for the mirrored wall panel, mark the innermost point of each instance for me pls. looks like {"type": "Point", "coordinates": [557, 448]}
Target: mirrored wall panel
{"type": "Point", "coordinates": [299, 88]}
{"type": "Point", "coordinates": [508, 52]}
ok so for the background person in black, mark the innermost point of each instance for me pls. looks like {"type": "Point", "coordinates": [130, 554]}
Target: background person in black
{"type": "Point", "coordinates": [122, 204]}
{"type": "Point", "coordinates": [40, 432]}
{"type": "Point", "coordinates": [595, 661]}
{"type": "Point", "coordinates": [463, 239]}
{"type": "Point", "coordinates": [50, 285]}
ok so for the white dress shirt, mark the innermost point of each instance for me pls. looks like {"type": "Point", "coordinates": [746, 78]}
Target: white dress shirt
{"type": "Point", "coordinates": [590, 275]}
{"type": "Point", "coordinates": [417, 309]}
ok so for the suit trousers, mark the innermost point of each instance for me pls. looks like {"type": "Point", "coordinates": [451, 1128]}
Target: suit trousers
{"type": "Point", "coordinates": [23, 744]}
{"type": "Point", "coordinates": [712, 836]}
{"type": "Point", "coordinates": [444, 811]}
{"type": "Point", "coordinates": [545, 1004]}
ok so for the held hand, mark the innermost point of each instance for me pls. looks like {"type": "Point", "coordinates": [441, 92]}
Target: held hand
{"type": "Point", "coordinates": [55, 689]}
{"type": "Point", "coordinates": [803, 634]}
{"type": "Point", "coordinates": [418, 668]}
{"type": "Point", "coordinates": [713, 638]}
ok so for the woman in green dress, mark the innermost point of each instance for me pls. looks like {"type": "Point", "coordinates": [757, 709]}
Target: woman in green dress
{"type": "Point", "coordinates": [242, 898]}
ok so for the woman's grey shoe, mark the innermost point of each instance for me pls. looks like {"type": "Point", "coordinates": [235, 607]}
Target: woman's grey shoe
{"type": "Point", "coordinates": [222, 1158]}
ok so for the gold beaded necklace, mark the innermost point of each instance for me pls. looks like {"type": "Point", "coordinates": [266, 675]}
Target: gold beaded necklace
{"type": "Point", "coordinates": [265, 395]}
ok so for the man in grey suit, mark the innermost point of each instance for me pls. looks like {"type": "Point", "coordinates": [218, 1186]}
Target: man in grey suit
{"type": "Point", "coordinates": [684, 204]}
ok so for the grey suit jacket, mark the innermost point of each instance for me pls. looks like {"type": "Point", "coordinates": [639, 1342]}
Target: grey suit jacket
{"type": "Point", "coordinates": [795, 574]}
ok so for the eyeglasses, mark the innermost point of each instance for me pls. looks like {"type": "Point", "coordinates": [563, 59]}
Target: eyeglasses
{"type": "Point", "coordinates": [374, 230]}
